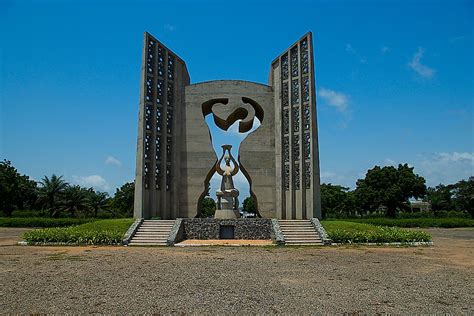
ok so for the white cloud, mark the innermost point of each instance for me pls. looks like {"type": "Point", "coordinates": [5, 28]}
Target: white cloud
{"type": "Point", "coordinates": [385, 49]}
{"type": "Point", "coordinates": [418, 67]}
{"type": "Point", "coordinates": [390, 162]}
{"type": "Point", "coordinates": [457, 38]}
{"type": "Point", "coordinates": [169, 27]}
{"type": "Point", "coordinates": [446, 167]}
{"type": "Point", "coordinates": [349, 48]}
{"type": "Point", "coordinates": [336, 99]}
{"type": "Point", "coordinates": [94, 181]}
{"type": "Point", "coordinates": [110, 160]}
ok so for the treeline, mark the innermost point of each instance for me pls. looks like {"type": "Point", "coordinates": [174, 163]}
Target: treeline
{"type": "Point", "coordinates": [385, 191]}
{"type": "Point", "coordinates": [54, 197]}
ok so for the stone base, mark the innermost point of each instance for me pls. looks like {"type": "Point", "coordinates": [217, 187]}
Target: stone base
{"type": "Point", "coordinates": [226, 214]}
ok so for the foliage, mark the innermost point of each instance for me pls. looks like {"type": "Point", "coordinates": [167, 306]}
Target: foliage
{"type": "Point", "coordinates": [249, 205]}
{"type": "Point", "coordinates": [97, 201]}
{"type": "Point", "coordinates": [208, 207]}
{"type": "Point", "coordinates": [338, 201]}
{"type": "Point", "coordinates": [463, 196]}
{"type": "Point", "coordinates": [41, 221]}
{"type": "Point", "coordinates": [16, 191]}
{"type": "Point", "coordinates": [439, 197]}
{"type": "Point", "coordinates": [122, 202]}
{"type": "Point", "coordinates": [350, 232]}
{"type": "Point", "coordinates": [418, 222]}
{"type": "Point", "coordinates": [390, 187]}
{"type": "Point", "coordinates": [51, 191]}
{"type": "Point", "coordinates": [102, 232]}
{"type": "Point", "coordinates": [75, 199]}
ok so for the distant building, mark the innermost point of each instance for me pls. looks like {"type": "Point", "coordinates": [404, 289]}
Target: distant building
{"type": "Point", "coordinates": [420, 206]}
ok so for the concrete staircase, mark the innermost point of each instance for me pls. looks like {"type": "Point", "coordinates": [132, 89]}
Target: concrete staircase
{"type": "Point", "coordinates": [152, 233]}
{"type": "Point", "coordinates": [299, 232]}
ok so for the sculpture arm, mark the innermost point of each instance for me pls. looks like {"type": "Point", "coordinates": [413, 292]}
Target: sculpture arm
{"type": "Point", "coordinates": [218, 166]}
{"type": "Point", "coordinates": [236, 166]}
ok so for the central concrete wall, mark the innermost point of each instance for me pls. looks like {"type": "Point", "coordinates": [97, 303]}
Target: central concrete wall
{"type": "Point", "coordinates": [256, 154]}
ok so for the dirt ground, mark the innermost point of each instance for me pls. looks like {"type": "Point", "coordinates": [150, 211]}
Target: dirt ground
{"type": "Point", "coordinates": [239, 280]}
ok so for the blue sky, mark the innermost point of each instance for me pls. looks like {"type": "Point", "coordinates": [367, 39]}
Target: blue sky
{"type": "Point", "coordinates": [394, 79]}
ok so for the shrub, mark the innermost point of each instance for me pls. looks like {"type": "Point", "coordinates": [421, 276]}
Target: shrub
{"type": "Point", "coordinates": [42, 221]}
{"type": "Point", "coordinates": [418, 222]}
{"type": "Point", "coordinates": [350, 232]}
{"type": "Point", "coordinates": [101, 232]}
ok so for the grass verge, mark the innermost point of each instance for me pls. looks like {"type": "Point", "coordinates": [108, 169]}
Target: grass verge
{"type": "Point", "coordinates": [101, 232]}
{"type": "Point", "coordinates": [352, 232]}
{"type": "Point", "coordinates": [42, 221]}
{"type": "Point", "coordinates": [418, 222]}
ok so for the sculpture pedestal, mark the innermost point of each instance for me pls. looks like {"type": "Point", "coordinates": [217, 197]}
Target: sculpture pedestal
{"type": "Point", "coordinates": [226, 214]}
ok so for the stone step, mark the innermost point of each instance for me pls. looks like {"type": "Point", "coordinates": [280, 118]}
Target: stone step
{"type": "Point", "coordinates": [297, 228]}
{"type": "Point", "coordinates": [290, 226]}
{"type": "Point", "coordinates": [150, 235]}
{"type": "Point", "coordinates": [155, 228]}
{"type": "Point", "coordinates": [301, 236]}
{"type": "Point", "coordinates": [158, 222]}
{"type": "Point", "coordinates": [149, 240]}
{"type": "Point", "coordinates": [146, 244]}
{"type": "Point", "coordinates": [156, 225]}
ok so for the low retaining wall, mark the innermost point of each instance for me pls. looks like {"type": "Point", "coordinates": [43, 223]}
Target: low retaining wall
{"type": "Point", "coordinates": [244, 228]}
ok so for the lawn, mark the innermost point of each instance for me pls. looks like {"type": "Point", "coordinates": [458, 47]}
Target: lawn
{"type": "Point", "coordinates": [101, 232]}
{"type": "Point", "coordinates": [42, 221]}
{"type": "Point", "coordinates": [353, 232]}
{"type": "Point", "coordinates": [449, 222]}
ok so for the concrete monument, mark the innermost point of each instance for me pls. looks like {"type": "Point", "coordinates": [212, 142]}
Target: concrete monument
{"type": "Point", "coordinates": [228, 195]}
{"type": "Point", "coordinates": [175, 157]}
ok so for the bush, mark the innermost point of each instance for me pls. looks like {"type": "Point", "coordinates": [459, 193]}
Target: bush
{"type": "Point", "coordinates": [42, 221]}
{"type": "Point", "coordinates": [102, 232]}
{"type": "Point", "coordinates": [418, 222]}
{"type": "Point", "coordinates": [350, 232]}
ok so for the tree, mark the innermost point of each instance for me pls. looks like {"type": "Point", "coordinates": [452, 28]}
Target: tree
{"type": "Point", "coordinates": [440, 198]}
{"type": "Point", "coordinates": [208, 207]}
{"type": "Point", "coordinates": [332, 199]}
{"type": "Point", "coordinates": [463, 195]}
{"type": "Point", "coordinates": [97, 201]}
{"type": "Point", "coordinates": [51, 191]}
{"type": "Point", "coordinates": [390, 187]}
{"type": "Point", "coordinates": [75, 199]}
{"type": "Point", "coordinates": [249, 205]}
{"type": "Point", "coordinates": [16, 191]}
{"type": "Point", "coordinates": [122, 201]}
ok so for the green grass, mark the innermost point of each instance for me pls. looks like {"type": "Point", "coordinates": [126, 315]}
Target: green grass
{"type": "Point", "coordinates": [418, 222]}
{"type": "Point", "coordinates": [42, 221]}
{"type": "Point", "coordinates": [353, 232]}
{"type": "Point", "coordinates": [101, 232]}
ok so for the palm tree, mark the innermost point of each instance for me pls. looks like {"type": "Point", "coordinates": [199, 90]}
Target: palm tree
{"type": "Point", "coordinates": [76, 199]}
{"type": "Point", "coordinates": [50, 191]}
{"type": "Point", "coordinates": [98, 201]}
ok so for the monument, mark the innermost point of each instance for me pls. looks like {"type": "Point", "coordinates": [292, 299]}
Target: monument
{"type": "Point", "coordinates": [227, 196]}
{"type": "Point", "coordinates": [175, 156]}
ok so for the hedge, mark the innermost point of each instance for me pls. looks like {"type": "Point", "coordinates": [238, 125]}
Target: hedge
{"type": "Point", "coordinates": [42, 221]}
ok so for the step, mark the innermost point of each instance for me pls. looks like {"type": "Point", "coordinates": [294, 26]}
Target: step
{"type": "Point", "coordinates": [156, 225]}
{"type": "Point", "coordinates": [146, 244]}
{"type": "Point", "coordinates": [155, 228]}
{"type": "Point", "coordinates": [150, 235]}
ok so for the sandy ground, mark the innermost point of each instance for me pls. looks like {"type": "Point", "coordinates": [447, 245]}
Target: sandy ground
{"type": "Point", "coordinates": [239, 280]}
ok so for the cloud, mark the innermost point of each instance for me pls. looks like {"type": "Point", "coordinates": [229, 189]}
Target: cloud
{"type": "Point", "coordinates": [418, 67]}
{"type": "Point", "coordinates": [94, 181]}
{"type": "Point", "coordinates": [385, 49]}
{"type": "Point", "coordinates": [351, 50]}
{"type": "Point", "coordinates": [169, 27]}
{"type": "Point", "coordinates": [110, 160]}
{"type": "Point", "coordinates": [390, 162]}
{"type": "Point", "coordinates": [457, 38]}
{"type": "Point", "coordinates": [336, 99]}
{"type": "Point", "coordinates": [446, 167]}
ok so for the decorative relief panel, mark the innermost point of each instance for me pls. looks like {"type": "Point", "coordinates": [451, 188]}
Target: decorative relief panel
{"type": "Point", "coordinates": [169, 94]}
{"type": "Point", "coordinates": [304, 56]}
{"type": "Point", "coordinates": [148, 110]}
{"type": "Point", "coordinates": [286, 121]}
{"type": "Point", "coordinates": [160, 85]}
{"type": "Point", "coordinates": [158, 176]}
{"type": "Point", "coordinates": [150, 61]}
{"type": "Point", "coordinates": [149, 88]}
{"type": "Point", "coordinates": [306, 118]}
{"type": "Point", "coordinates": [296, 120]}
{"type": "Point", "coordinates": [284, 95]}
{"type": "Point", "coordinates": [296, 148]}
{"type": "Point", "coordinates": [158, 148]}
{"type": "Point", "coordinates": [168, 149]}
{"type": "Point", "coordinates": [294, 61]}
{"type": "Point", "coordinates": [146, 174]}
{"type": "Point", "coordinates": [158, 119]}
{"type": "Point", "coordinates": [307, 146]}
{"type": "Point", "coordinates": [284, 67]}
{"type": "Point", "coordinates": [296, 176]}
{"type": "Point", "coordinates": [170, 67]}
{"type": "Point", "coordinates": [307, 174]}
{"type": "Point", "coordinates": [169, 121]}
{"type": "Point", "coordinates": [147, 144]}
{"type": "Point", "coordinates": [286, 149]}
{"type": "Point", "coordinates": [295, 91]}
{"type": "Point", "coordinates": [305, 92]}
{"type": "Point", "coordinates": [286, 177]}
{"type": "Point", "coordinates": [161, 61]}
{"type": "Point", "coordinates": [168, 177]}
